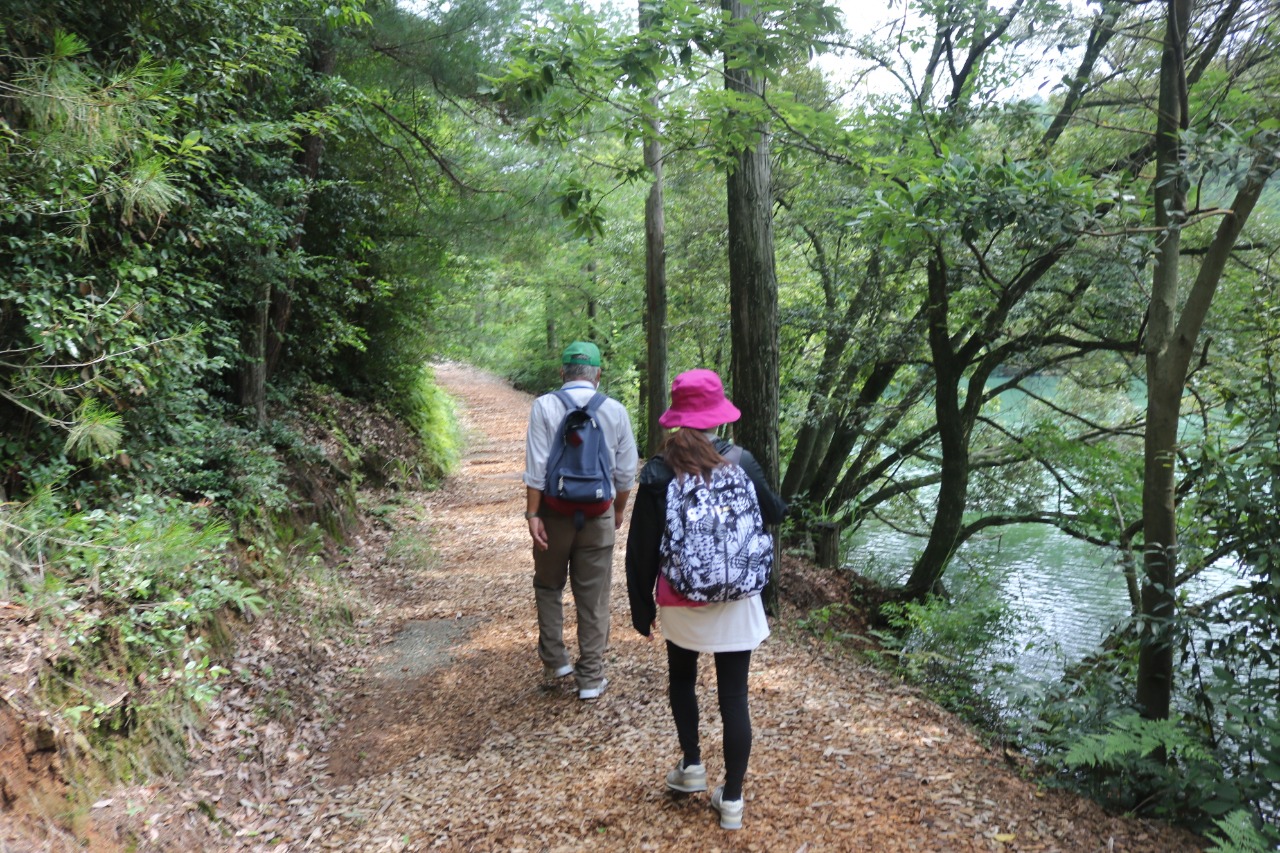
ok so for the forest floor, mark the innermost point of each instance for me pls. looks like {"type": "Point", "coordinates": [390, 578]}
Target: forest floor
{"type": "Point", "coordinates": [430, 729]}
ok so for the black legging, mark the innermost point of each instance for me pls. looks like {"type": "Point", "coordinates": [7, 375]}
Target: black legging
{"type": "Point", "coordinates": [731, 688]}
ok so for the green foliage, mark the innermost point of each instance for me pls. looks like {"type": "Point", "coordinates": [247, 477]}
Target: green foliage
{"type": "Point", "coordinates": [535, 374]}
{"type": "Point", "coordinates": [157, 197]}
{"type": "Point", "coordinates": [1241, 834]}
{"type": "Point", "coordinates": [1161, 767]}
{"type": "Point", "coordinates": [155, 171]}
{"type": "Point", "coordinates": [76, 324]}
{"type": "Point", "coordinates": [824, 623]}
{"type": "Point", "coordinates": [946, 646]}
{"type": "Point", "coordinates": [1194, 768]}
{"type": "Point", "coordinates": [128, 590]}
{"type": "Point", "coordinates": [1131, 738]}
{"type": "Point", "coordinates": [96, 431]}
{"type": "Point", "coordinates": [114, 315]}
{"type": "Point", "coordinates": [240, 471]}
{"type": "Point", "coordinates": [429, 410]}
{"type": "Point", "coordinates": [563, 74]}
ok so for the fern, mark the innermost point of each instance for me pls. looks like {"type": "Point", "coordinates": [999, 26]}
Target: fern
{"type": "Point", "coordinates": [1240, 835]}
{"type": "Point", "coordinates": [1131, 736]}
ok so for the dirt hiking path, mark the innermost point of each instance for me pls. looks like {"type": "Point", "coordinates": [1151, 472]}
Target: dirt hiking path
{"type": "Point", "coordinates": [452, 744]}
{"type": "Point", "coordinates": [423, 725]}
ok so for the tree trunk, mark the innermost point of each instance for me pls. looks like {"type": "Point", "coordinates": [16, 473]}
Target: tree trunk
{"type": "Point", "coordinates": [655, 315]}
{"type": "Point", "coordinates": [953, 488]}
{"type": "Point", "coordinates": [753, 285]}
{"type": "Point", "coordinates": [251, 392]}
{"type": "Point", "coordinates": [643, 441]}
{"type": "Point", "coordinates": [1171, 342]}
{"type": "Point", "coordinates": [655, 274]}
{"type": "Point", "coordinates": [1159, 558]}
{"type": "Point", "coordinates": [753, 306]}
{"type": "Point", "coordinates": [1164, 383]}
{"type": "Point", "coordinates": [826, 544]}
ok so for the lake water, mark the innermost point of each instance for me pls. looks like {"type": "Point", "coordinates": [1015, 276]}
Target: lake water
{"type": "Point", "coordinates": [1070, 593]}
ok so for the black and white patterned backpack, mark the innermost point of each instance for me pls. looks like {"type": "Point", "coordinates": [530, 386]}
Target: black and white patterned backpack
{"type": "Point", "coordinates": [714, 547]}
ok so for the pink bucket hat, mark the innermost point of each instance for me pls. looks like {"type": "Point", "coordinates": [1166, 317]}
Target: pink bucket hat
{"type": "Point", "coordinates": [698, 402]}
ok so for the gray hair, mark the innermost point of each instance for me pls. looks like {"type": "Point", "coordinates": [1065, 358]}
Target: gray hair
{"type": "Point", "coordinates": [580, 371]}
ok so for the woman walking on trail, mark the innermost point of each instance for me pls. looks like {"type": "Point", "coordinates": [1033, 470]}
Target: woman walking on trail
{"type": "Point", "coordinates": [729, 630]}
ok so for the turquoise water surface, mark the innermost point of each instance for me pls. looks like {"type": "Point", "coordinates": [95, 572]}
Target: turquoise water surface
{"type": "Point", "coordinates": [1066, 594]}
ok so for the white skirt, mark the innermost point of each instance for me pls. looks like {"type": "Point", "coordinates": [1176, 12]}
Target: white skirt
{"type": "Point", "coordinates": [731, 626]}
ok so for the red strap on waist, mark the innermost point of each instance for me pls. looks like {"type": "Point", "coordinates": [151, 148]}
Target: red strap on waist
{"type": "Point", "coordinates": [564, 507]}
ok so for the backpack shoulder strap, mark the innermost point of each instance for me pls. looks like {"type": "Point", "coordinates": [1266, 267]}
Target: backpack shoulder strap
{"type": "Point", "coordinates": [592, 406]}
{"type": "Point", "coordinates": [681, 494]}
{"type": "Point", "coordinates": [564, 397]}
{"type": "Point", "coordinates": [733, 454]}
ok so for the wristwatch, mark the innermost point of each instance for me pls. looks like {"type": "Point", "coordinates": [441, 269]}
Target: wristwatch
{"type": "Point", "coordinates": [529, 515]}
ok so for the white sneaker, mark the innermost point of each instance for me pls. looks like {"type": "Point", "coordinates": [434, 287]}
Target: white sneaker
{"type": "Point", "coordinates": [587, 693]}
{"type": "Point", "coordinates": [730, 810]}
{"type": "Point", "coordinates": [687, 780]}
{"type": "Point", "coordinates": [551, 675]}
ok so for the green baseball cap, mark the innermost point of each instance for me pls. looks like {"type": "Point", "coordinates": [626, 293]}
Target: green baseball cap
{"type": "Point", "coordinates": [581, 352]}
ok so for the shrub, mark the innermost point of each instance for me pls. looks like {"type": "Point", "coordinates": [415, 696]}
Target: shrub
{"type": "Point", "coordinates": [949, 646]}
{"type": "Point", "coordinates": [124, 592]}
{"type": "Point", "coordinates": [429, 410]}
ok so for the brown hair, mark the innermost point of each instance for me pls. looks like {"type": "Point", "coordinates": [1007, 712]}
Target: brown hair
{"type": "Point", "coordinates": [689, 451]}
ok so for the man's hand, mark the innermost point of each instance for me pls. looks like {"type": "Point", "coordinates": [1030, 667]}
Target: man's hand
{"type": "Point", "coordinates": [539, 533]}
{"type": "Point", "coordinates": [620, 508]}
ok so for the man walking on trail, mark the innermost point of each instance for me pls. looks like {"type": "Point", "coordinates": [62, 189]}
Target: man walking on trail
{"type": "Point", "coordinates": [573, 534]}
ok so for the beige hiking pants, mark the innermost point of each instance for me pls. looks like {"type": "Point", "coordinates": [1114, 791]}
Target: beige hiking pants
{"type": "Point", "coordinates": [584, 558]}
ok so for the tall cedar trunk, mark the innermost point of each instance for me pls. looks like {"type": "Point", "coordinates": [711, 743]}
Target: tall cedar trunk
{"type": "Point", "coordinates": [655, 275]}
{"type": "Point", "coordinates": [593, 307]}
{"type": "Point", "coordinates": [655, 279]}
{"type": "Point", "coordinates": [655, 316]}
{"type": "Point", "coordinates": [953, 487]}
{"type": "Point", "coordinates": [1164, 381]}
{"type": "Point", "coordinates": [642, 390]}
{"type": "Point", "coordinates": [753, 285]}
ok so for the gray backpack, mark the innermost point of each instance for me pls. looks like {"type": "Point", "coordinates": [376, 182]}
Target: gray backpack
{"type": "Point", "coordinates": [580, 466]}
